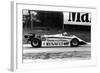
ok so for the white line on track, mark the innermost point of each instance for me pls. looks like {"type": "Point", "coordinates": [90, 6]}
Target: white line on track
{"type": "Point", "coordinates": [28, 49]}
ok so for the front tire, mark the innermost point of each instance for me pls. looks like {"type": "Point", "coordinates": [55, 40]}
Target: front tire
{"type": "Point", "coordinates": [35, 42]}
{"type": "Point", "coordinates": [74, 42]}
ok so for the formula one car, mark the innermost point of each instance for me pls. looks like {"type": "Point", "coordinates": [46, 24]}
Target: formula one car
{"type": "Point", "coordinates": [62, 39]}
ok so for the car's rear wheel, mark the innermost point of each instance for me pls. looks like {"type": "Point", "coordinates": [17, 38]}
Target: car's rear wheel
{"type": "Point", "coordinates": [74, 42]}
{"type": "Point", "coordinates": [35, 42]}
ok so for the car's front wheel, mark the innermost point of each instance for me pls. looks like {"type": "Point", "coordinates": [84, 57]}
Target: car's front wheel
{"type": "Point", "coordinates": [74, 42]}
{"type": "Point", "coordinates": [35, 42]}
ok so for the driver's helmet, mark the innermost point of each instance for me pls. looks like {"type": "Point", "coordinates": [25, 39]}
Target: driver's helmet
{"type": "Point", "coordinates": [65, 33]}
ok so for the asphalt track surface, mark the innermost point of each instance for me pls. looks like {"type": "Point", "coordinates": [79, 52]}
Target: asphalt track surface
{"type": "Point", "coordinates": [28, 49]}
{"type": "Point", "coordinates": [56, 54]}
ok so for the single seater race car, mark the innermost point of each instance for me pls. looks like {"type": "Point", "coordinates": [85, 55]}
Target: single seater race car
{"type": "Point", "coordinates": [61, 39]}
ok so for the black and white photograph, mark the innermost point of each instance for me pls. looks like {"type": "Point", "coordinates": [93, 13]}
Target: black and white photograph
{"type": "Point", "coordinates": [44, 35]}
{"type": "Point", "coordinates": [55, 35]}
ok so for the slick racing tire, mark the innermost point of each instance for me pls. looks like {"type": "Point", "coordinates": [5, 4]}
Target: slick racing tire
{"type": "Point", "coordinates": [74, 42]}
{"type": "Point", "coordinates": [35, 42]}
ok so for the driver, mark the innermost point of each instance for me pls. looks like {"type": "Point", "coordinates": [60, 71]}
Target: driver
{"type": "Point", "coordinates": [65, 33]}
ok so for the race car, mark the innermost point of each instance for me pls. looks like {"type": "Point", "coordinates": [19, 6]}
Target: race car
{"type": "Point", "coordinates": [49, 40]}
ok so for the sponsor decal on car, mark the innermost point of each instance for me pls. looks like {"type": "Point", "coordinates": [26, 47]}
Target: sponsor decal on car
{"type": "Point", "coordinates": [55, 43]}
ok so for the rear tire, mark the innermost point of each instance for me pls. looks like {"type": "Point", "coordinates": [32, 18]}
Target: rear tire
{"type": "Point", "coordinates": [74, 42]}
{"type": "Point", "coordinates": [35, 42]}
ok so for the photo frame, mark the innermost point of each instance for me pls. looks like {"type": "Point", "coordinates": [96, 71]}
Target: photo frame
{"type": "Point", "coordinates": [54, 23]}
